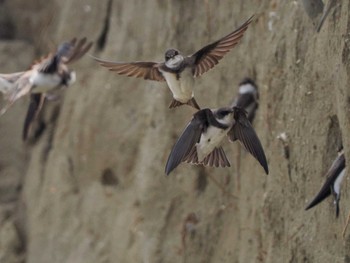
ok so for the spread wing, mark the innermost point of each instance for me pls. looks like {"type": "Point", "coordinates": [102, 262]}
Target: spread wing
{"type": "Point", "coordinates": [35, 105]}
{"type": "Point", "coordinates": [188, 139]}
{"type": "Point", "coordinates": [66, 53]}
{"type": "Point", "coordinates": [22, 87]}
{"type": "Point", "coordinates": [207, 57]}
{"type": "Point", "coordinates": [244, 132]}
{"type": "Point", "coordinates": [77, 49]}
{"type": "Point", "coordinates": [332, 174]}
{"type": "Point", "coordinates": [7, 81]}
{"type": "Point", "coordinates": [145, 70]}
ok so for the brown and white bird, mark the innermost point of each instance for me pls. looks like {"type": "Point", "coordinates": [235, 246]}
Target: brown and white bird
{"type": "Point", "coordinates": [44, 76]}
{"type": "Point", "coordinates": [200, 141]}
{"type": "Point", "coordinates": [178, 70]}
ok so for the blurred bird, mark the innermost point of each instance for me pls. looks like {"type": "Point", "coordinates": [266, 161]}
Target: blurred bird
{"type": "Point", "coordinates": [313, 8]}
{"type": "Point", "coordinates": [200, 142]}
{"type": "Point", "coordinates": [178, 70]}
{"type": "Point", "coordinates": [317, 11]}
{"type": "Point", "coordinates": [335, 176]}
{"type": "Point", "coordinates": [44, 76]}
{"type": "Point", "coordinates": [330, 5]}
{"type": "Point", "coordinates": [247, 98]}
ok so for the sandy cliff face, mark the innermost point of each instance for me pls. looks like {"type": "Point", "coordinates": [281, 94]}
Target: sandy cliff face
{"type": "Point", "coordinates": [91, 186]}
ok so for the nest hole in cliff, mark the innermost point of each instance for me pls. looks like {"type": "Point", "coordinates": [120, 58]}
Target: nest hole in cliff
{"type": "Point", "coordinates": [334, 136]}
{"type": "Point", "coordinates": [201, 181]}
{"type": "Point", "coordinates": [108, 178]}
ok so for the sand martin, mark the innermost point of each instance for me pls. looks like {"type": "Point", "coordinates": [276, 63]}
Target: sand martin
{"type": "Point", "coordinates": [247, 98]}
{"type": "Point", "coordinates": [335, 176]}
{"type": "Point", "coordinates": [178, 70]}
{"type": "Point", "coordinates": [50, 73]}
{"type": "Point", "coordinates": [200, 142]}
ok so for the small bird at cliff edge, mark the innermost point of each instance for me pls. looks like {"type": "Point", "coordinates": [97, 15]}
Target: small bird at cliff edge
{"type": "Point", "coordinates": [335, 176]}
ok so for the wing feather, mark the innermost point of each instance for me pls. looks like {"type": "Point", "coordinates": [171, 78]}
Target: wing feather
{"type": "Point", "coordinates": [332, 174]}
{"type": "Point", "coordinates": [182, 148]}
{"type": "Point", "coordinates": [207, 57]}
{"type": "Point", "coordinates": [138, 69]}
{"type": "Point", "coordinates": [216, 158]}
{"type": "Point", "coordinates": [244, 132]}
{"type": "Point", "coordinates": [77, 50]}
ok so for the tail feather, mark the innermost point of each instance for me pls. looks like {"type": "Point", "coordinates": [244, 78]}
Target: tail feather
{"type": "Point", "coordinates": [175, 103]}
{"type": "Point", "coordinates": [192, 102]}
{"type": "Point", "coordinates": [217, 158]}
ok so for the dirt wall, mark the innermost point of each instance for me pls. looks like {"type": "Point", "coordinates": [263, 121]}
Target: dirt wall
{"type": "Point", "coordinates": [90, 187]}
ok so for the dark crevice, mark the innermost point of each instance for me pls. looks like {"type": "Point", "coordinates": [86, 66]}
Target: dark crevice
{"type": "Point", "coordinates": [20, 225]}
{"type": "Point", "coordinates": [101, 41]}
{"type": "Point", "coordinates": [7, 23]}
{"type": "Point", "coordinates": [53, 120]}
{"type": "Point", "coordinates": [334, 139]}
{"type": "Point", "coordinates": [75, 183]}
{"type": "Point", "coordinates": [33, 121]}
{"type": "Point", "coordinates": [39, 130]}
{"type": "Point", "coordinates": [202, 181]}
{"type": "Point", "coordinates": [108, 178]}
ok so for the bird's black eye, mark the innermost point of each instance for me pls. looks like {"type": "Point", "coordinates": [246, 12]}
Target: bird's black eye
{"type": "Point", "coordinates": [171, 53]}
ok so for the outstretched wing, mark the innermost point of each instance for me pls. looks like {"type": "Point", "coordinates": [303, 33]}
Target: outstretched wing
{"type": "Point", "coordinates": [208, 56]}
{"type": "Point", "coordinates": [244, 132]}
{"type": "Point", "coordinates": [8, 81]}
{"type": "Point", "coordinates": [22, 87]}
{"type": "Point", "coordinates": [145, 70]}
{"type": "Point", "coordinates": [78, 48]}
{"type": "Point", "coordinates": [67, 52]}
{"type": "Point", "coordinates": [188, 139]}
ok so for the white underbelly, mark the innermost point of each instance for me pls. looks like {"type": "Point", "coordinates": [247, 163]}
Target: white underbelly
{"type": "Point", "coordinates": [44, 82]}
{"type": "Point", "coordinates": [338, 182]}
{"type": "Point", "coordinates": [181, 88]}
{"type": "Point", "coordinates": [209, 140]}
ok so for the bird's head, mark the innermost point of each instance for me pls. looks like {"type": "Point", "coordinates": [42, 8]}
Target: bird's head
{"type": "Point", "coordinates": [224, 115]}
{"type": "Point", "coordinates": [171, 53]}
{"type": "Point", "coordinates": [68, 78]}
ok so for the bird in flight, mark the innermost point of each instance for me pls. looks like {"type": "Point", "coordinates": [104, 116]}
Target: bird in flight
{"type": "Point", "coordinates": [179, 70]}
{"type": "Point", "coordinates": [200, 141]}
{"type": "Point", "coordinates": [44, 76]}
{"type": "Point", "coordinates": [247, 98]}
